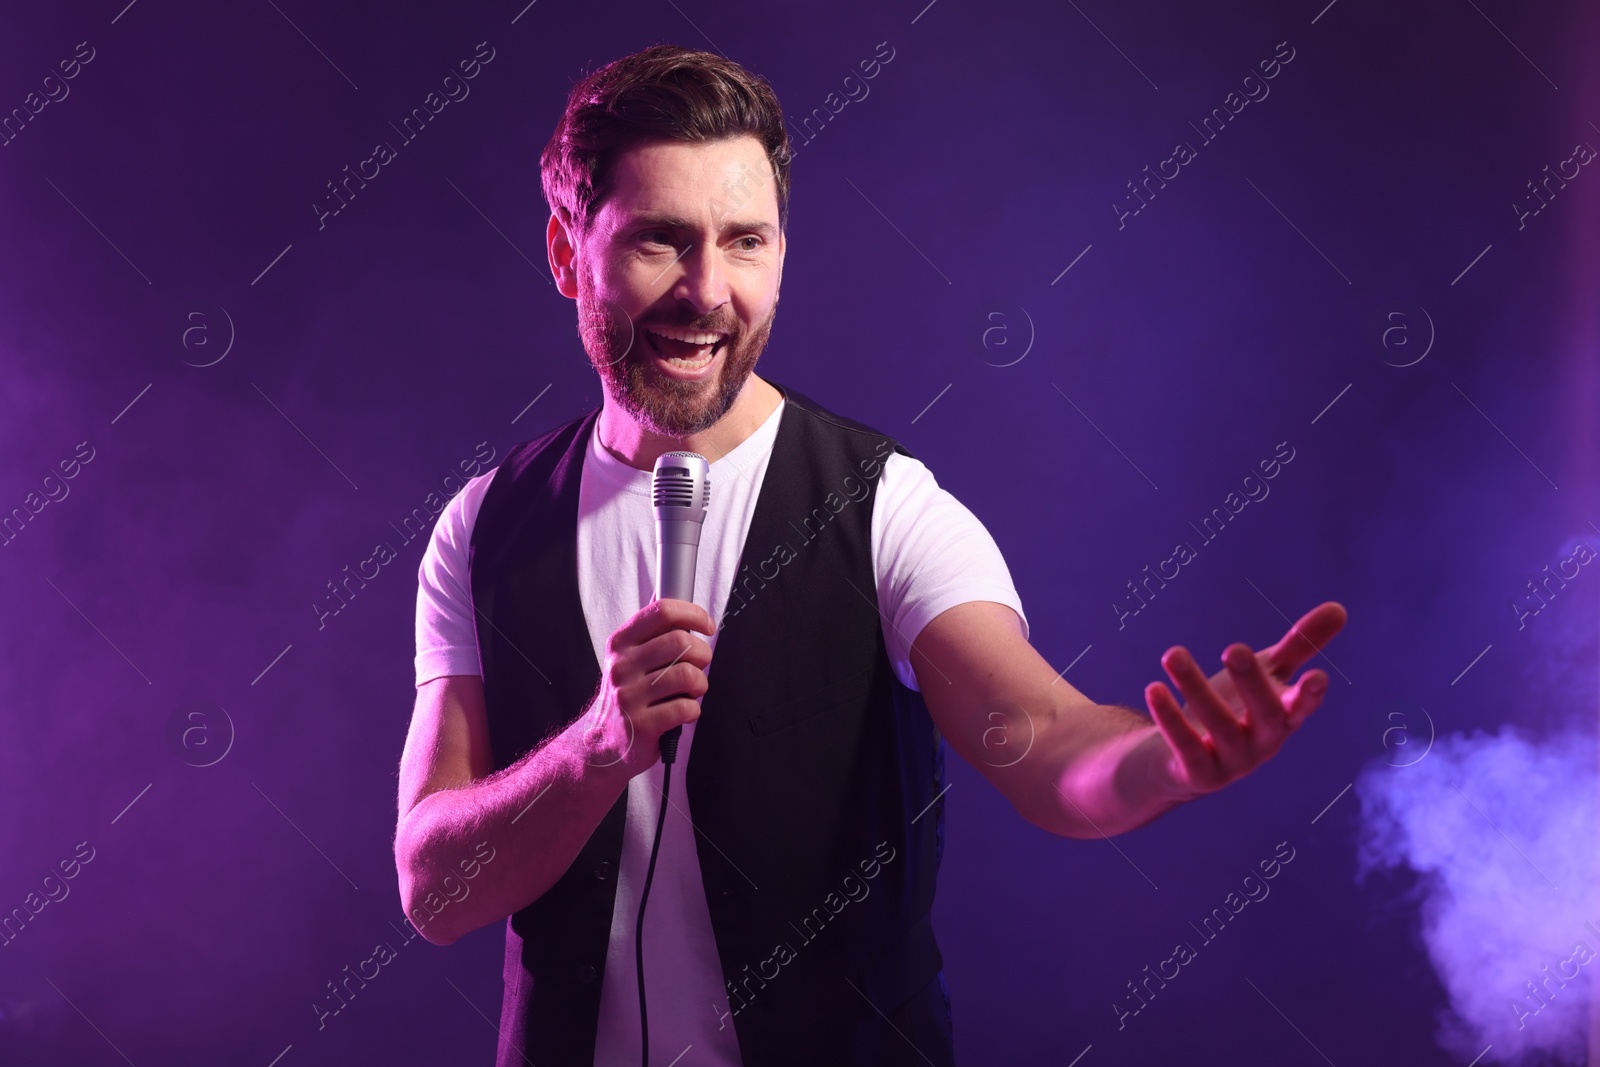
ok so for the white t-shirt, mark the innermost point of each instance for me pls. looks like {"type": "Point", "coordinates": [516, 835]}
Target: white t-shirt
{"type": "Point", "coordinates": [929, 553]}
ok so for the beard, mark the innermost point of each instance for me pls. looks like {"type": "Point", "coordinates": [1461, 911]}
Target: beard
{"type": "Point", "coordinates": [627, 365]}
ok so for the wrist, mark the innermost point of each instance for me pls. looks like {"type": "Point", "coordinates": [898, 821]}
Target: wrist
{"type": "Point", "coordinates": [601, 743]}
{"type": "Point", "coordinates": [1161, 771]}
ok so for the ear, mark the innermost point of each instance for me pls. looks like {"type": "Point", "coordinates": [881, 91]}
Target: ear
{"type": "Point", "coordinates": [561, 245]}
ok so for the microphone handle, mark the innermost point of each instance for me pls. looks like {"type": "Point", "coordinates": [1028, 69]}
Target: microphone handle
{"type": "Point", "coordinates": [675, 566]}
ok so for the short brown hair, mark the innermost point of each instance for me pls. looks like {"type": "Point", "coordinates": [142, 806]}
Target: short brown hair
{"type": "Point", "coordinates": [662, 93]}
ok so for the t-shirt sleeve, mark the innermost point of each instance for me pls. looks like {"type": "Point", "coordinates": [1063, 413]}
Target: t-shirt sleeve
{"type": "Point", "coordinates": [447, 636]}
{"type": "Point", "coordinates": [929, 553]}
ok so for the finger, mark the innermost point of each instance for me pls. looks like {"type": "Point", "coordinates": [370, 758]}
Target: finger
{"type": "Point", "coordinates": [669, 650]}
{"type": "Point", "coordinates": [1202, 699]}
{"type": "Point", "coordinates": [1264, 712]}
{"type": "Point", "coordinates": [652, 720]}
{"type": "Point", "coordinates": [679, 680]}
{"type": "Point", "coordinates": [685, 615]}
{"type": "Point", "coordinates": [675, 646]}
{"type": "Point", "coordinates": [662, 615]}
{"type": "Point", "coordinates": [1305, 696]}
{"type": "Point", "coordinates": [1306, 638]}
{"type": "Point", "coordinates": [1181, 737]}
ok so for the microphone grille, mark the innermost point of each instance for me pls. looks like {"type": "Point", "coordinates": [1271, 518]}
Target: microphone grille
{"type": "Point", "coordinates": [674, 484]}
{"type": "Point", "coordinates": [674, 487]}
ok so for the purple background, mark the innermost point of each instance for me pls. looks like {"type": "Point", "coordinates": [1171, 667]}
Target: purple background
{"type": "Point", "coordinates": [930, 226]}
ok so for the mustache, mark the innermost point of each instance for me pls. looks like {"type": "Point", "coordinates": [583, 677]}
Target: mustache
{"type": "Point", "coordinates": [727, 329]}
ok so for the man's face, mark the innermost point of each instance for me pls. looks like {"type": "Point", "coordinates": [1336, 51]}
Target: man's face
{"type": "Point", "coordinates": [688, 243]}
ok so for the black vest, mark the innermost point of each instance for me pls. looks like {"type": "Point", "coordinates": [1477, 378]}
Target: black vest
{"type": "Point", "coordinates": [814, 778]}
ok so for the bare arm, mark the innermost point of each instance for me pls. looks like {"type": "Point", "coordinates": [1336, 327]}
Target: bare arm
{"type": "Point", "coordinates": [513, 833]}
{"type": "Point", "coordinates": [1081, 769]}
{"type": "Point", "coordinates": [472, 847]}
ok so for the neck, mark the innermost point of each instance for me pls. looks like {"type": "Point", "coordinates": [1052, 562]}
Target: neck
{"type": "Point", "coordinates": [640, 448]}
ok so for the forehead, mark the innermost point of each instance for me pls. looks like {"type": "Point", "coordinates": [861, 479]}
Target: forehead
{"type": "Point", "coordinates": [692, 179]}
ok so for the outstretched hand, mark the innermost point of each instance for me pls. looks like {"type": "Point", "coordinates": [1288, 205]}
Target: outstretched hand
{"type": "Point", "coordinates": [1236, 720]}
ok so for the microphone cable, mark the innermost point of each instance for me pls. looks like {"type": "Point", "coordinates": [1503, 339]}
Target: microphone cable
{"type": "Point", "coordinates": [669, 754]}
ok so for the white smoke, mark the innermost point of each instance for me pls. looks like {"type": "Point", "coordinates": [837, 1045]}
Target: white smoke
{"type": "Point", "coordinates": [1500, 829]}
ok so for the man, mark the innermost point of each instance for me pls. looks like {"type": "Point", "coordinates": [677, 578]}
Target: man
{"type": "Point", "coordinates": [861, 615]}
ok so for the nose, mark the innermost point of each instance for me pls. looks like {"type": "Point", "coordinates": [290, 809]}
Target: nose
{"type": "Point", "coordinates": [701, 282]}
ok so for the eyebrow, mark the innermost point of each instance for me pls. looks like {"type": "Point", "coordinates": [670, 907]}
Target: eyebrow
{"type": "Point", "coordinates": [674, 222]}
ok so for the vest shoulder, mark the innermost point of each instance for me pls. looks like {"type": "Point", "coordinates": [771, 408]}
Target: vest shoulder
{"type": "Point", "coordinates": [521, 455]}
{"type": "Point", "coordinates": [843, 425]}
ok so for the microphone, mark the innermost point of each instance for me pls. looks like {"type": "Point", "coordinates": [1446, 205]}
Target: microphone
{"type": "Point", "coordinates": [681, 492]}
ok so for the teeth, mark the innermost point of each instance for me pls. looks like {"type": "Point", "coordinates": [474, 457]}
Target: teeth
{"type": "Point", "coordinates": [706, 349]}
{"type": "Point", "coordinates": [688, 337]}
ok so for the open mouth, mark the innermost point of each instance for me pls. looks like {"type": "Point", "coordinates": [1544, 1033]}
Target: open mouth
{"type": "Point", "coordinates": [685, 355]}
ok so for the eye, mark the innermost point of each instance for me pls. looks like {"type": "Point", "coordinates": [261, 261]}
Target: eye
{"type": "Point", "coordinates": [665, 237]}
{"type": "Point", "coordinates": [757, 241]}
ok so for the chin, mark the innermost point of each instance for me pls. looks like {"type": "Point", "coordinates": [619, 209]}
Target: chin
{"type": "Point", "coordinates": [678, 409]}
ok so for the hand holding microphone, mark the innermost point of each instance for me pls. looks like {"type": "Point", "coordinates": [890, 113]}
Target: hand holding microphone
{"type": "Point", "coordinates": [655, 666]}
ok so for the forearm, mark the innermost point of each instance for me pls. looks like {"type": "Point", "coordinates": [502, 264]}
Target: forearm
{"type": "Point", "coordinates": [532, 820]}
{"type": "Point", "coordinates": [1102, 774]}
